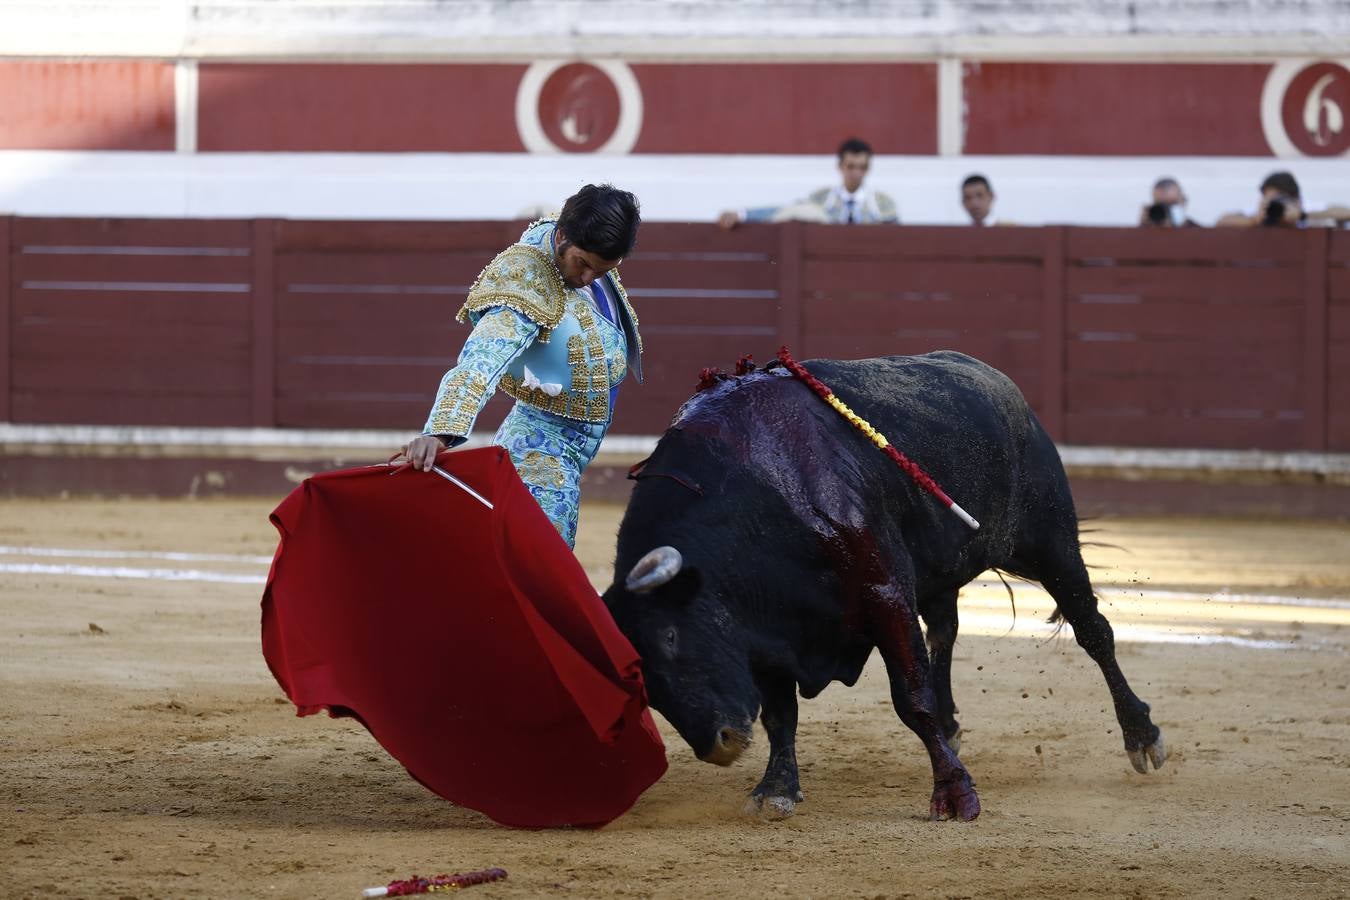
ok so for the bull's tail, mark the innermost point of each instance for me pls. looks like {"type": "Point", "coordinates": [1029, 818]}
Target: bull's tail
{"type": "Point", "coordinates": [1082, 543]}
{"type": "Point", "coordinates": [1008, 587]}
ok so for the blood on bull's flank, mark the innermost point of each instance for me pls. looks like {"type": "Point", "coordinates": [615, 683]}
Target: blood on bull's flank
{"type": "Point", "coordinates": [768, 548]}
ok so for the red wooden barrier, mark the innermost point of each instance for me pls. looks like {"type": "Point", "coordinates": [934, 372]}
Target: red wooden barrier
{"type": "Point", "coordinates": [6, 315]}
{"type": "Point", "coordinates": [883, 291]}
{"type": "Point", "coordinates": [1199, 338]}
{"type": "Point", "coordinates": [1191, 338]}
{"type": "Point", "coordinates": [1338, 343]}
{"type": "Point", "coordinates": [264, 323]}
{"type": "Point", "coordinates": [130, 321]}
{"type": "Point", "coordinates": [365, 317]}
{"type": "Point", "coordinates": [1051, 407]}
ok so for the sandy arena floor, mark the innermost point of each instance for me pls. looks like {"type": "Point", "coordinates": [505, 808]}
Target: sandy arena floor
{"type": "Point", "coordinates": [146, 752]}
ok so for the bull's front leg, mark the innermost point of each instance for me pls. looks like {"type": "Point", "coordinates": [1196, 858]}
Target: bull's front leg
{"type": "Point", "coordinates": [894, 626]}
{"type": "Point", "coordinates": [779, 791]}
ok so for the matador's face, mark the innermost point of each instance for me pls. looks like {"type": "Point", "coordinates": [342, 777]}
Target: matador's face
{"type": "Point", "coordinates": [579, 267]}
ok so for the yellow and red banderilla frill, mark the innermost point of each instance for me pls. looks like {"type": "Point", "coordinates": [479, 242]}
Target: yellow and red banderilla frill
{"type": "Point", "coordinates": [911, 468]}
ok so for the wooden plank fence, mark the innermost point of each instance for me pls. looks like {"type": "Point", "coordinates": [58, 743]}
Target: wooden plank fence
{"type": "Point", "coordinates": [1129, 337]}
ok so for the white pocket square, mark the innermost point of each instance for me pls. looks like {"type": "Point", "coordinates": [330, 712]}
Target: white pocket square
{"type": "Point", "coordinates": [532, 381]}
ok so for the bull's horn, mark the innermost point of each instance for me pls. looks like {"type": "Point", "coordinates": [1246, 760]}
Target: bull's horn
{"type": "Point", "coordinates": [654, 570]}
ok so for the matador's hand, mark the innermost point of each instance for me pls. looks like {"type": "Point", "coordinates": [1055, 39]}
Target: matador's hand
{"type": "Point", "coordinates": [421, 451]}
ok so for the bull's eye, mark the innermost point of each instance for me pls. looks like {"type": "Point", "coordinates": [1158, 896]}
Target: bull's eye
{"type": "Point", "coordinates": [671, 641]}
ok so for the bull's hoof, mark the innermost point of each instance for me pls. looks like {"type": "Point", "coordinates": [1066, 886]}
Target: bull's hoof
{"type": "Point", "coordinates": [772, 808]}
{"type": "Point", "coordinates": [954, 800]}
{"type": "Point", "coordinates": [1155, 753]}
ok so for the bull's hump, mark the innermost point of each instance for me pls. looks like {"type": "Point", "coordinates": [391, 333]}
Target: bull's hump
{"type": "Point", "coordinates": [935, 381]}
{"type": "Point", "coordinates": [727, 403]}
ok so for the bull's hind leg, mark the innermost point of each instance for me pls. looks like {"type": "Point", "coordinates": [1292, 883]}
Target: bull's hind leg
{"type": "Point", "coordinates": [1059, 568]}
{"type": "Point", "coordinates": [894, 626]}
{"type": "Point", "coordinates": [939, 614]}
{"type": "Point", "coordinates": [779, 791]}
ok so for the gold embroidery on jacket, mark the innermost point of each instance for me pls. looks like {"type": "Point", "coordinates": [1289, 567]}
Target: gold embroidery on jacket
{"type": "Point", "coordinates": [460, 398]}
{"type": "Point", "coordinates": [632, 314]}
{"type": "Point", "coordinates": [523, 278]}
{"type": "Point", "coordinates": [543, 470]}
{"type": "Point", "coordinates": [497, 326]}
{"type": "Point", "coordinates": [590, 377]}
{"type": "Point", "coordinates": [568, 404]}
{"type": "Point", "coordinates": [588, 397]}
{"type": "Point", "coordinates": [582, 310]}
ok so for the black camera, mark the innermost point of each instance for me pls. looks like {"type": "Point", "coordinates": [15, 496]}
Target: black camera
{"type": "Point", "coordinates": [1275, 210]}
{"type": "Point", "coordinates": [1165, 214]}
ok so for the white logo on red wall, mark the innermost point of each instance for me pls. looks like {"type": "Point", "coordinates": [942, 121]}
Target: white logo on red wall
{"type": "Point", "coordinates": [1305, 108]}
{"type": "Point", "coordinates": [578, 107]}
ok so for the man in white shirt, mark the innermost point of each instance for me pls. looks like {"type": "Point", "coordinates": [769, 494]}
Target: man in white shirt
{"type": "Point", "coordinates": [846, 203]}
{"type": "Point", "coordinates": [977, 196]}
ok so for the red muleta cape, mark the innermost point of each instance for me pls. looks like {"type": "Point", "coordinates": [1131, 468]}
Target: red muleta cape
{"type": "Point", "coordinates": [468, 640]}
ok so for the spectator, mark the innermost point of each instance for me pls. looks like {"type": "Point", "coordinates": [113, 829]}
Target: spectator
{"type": "Point", "coordinates": [1281, 205]}
{"type": "Point", "coordinates": [1168, 209]}
{"type": "Point", "coordinates": [846, 203]}
{"type": "Point", "coordinates": [977, 196]}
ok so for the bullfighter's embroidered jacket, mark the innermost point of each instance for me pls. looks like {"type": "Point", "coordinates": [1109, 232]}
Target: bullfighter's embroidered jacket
{"type": "Point", "coordinates": [544, 344]}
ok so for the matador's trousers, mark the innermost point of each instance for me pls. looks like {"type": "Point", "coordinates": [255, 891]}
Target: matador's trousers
{"type": "Point", "coordinates": [550, 453]}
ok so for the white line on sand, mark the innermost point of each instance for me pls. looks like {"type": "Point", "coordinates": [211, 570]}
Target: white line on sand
{"type": "Point", "coordinates": [1140, 593]}
{"type": "Point", "coordinates": [133, 554]}
{"type": "Point", "coordinates": [980, 597]}
{"type": "Point", "coordinates": [986, 625]}
{"type": "Point", "coordinates": [131, 572]}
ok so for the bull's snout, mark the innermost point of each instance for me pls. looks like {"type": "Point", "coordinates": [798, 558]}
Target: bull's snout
{"type": "Point", "coordinates": [729, 744]}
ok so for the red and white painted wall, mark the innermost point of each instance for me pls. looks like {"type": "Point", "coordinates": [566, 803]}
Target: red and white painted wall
{"type": "Point", "coordinates": [492, 118]}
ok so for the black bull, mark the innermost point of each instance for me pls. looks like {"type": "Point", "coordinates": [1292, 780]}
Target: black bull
{"type": "Point", "coordinates": [769, 546]}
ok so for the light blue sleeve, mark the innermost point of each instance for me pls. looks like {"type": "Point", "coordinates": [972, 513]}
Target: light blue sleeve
{"type": "Point", "coordinates": [498, 337]}
{"type": "Point", "coordinates": [761, 213]}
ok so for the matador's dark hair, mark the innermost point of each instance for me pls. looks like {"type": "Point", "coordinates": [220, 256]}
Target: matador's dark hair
{"type": "Point", "coordinates": [601, 219]}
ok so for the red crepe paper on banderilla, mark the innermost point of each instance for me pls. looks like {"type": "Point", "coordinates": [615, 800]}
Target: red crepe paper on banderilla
{"type": "Point", "coordinates": [467, 639]}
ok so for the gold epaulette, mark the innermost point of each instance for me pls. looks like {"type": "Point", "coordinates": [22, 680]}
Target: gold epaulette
{"type": "Point", "coordinates": [525, 279]}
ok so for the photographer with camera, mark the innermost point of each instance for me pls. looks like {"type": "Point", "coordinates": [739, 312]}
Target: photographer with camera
{"type": "Point", "coordinates": [1281, 206]}
{"type": "Point", "coordinates": [1168, 209]}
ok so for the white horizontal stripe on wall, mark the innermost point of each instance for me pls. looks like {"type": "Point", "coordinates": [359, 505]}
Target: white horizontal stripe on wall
{"type": "Point", "coordinates": [206, 441]}
{"type": "Point", "coordinates": [1031, 190]}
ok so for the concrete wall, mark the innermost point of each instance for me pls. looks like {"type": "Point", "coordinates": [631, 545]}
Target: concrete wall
{"type": "Point", "coordinates": [290, 28]}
